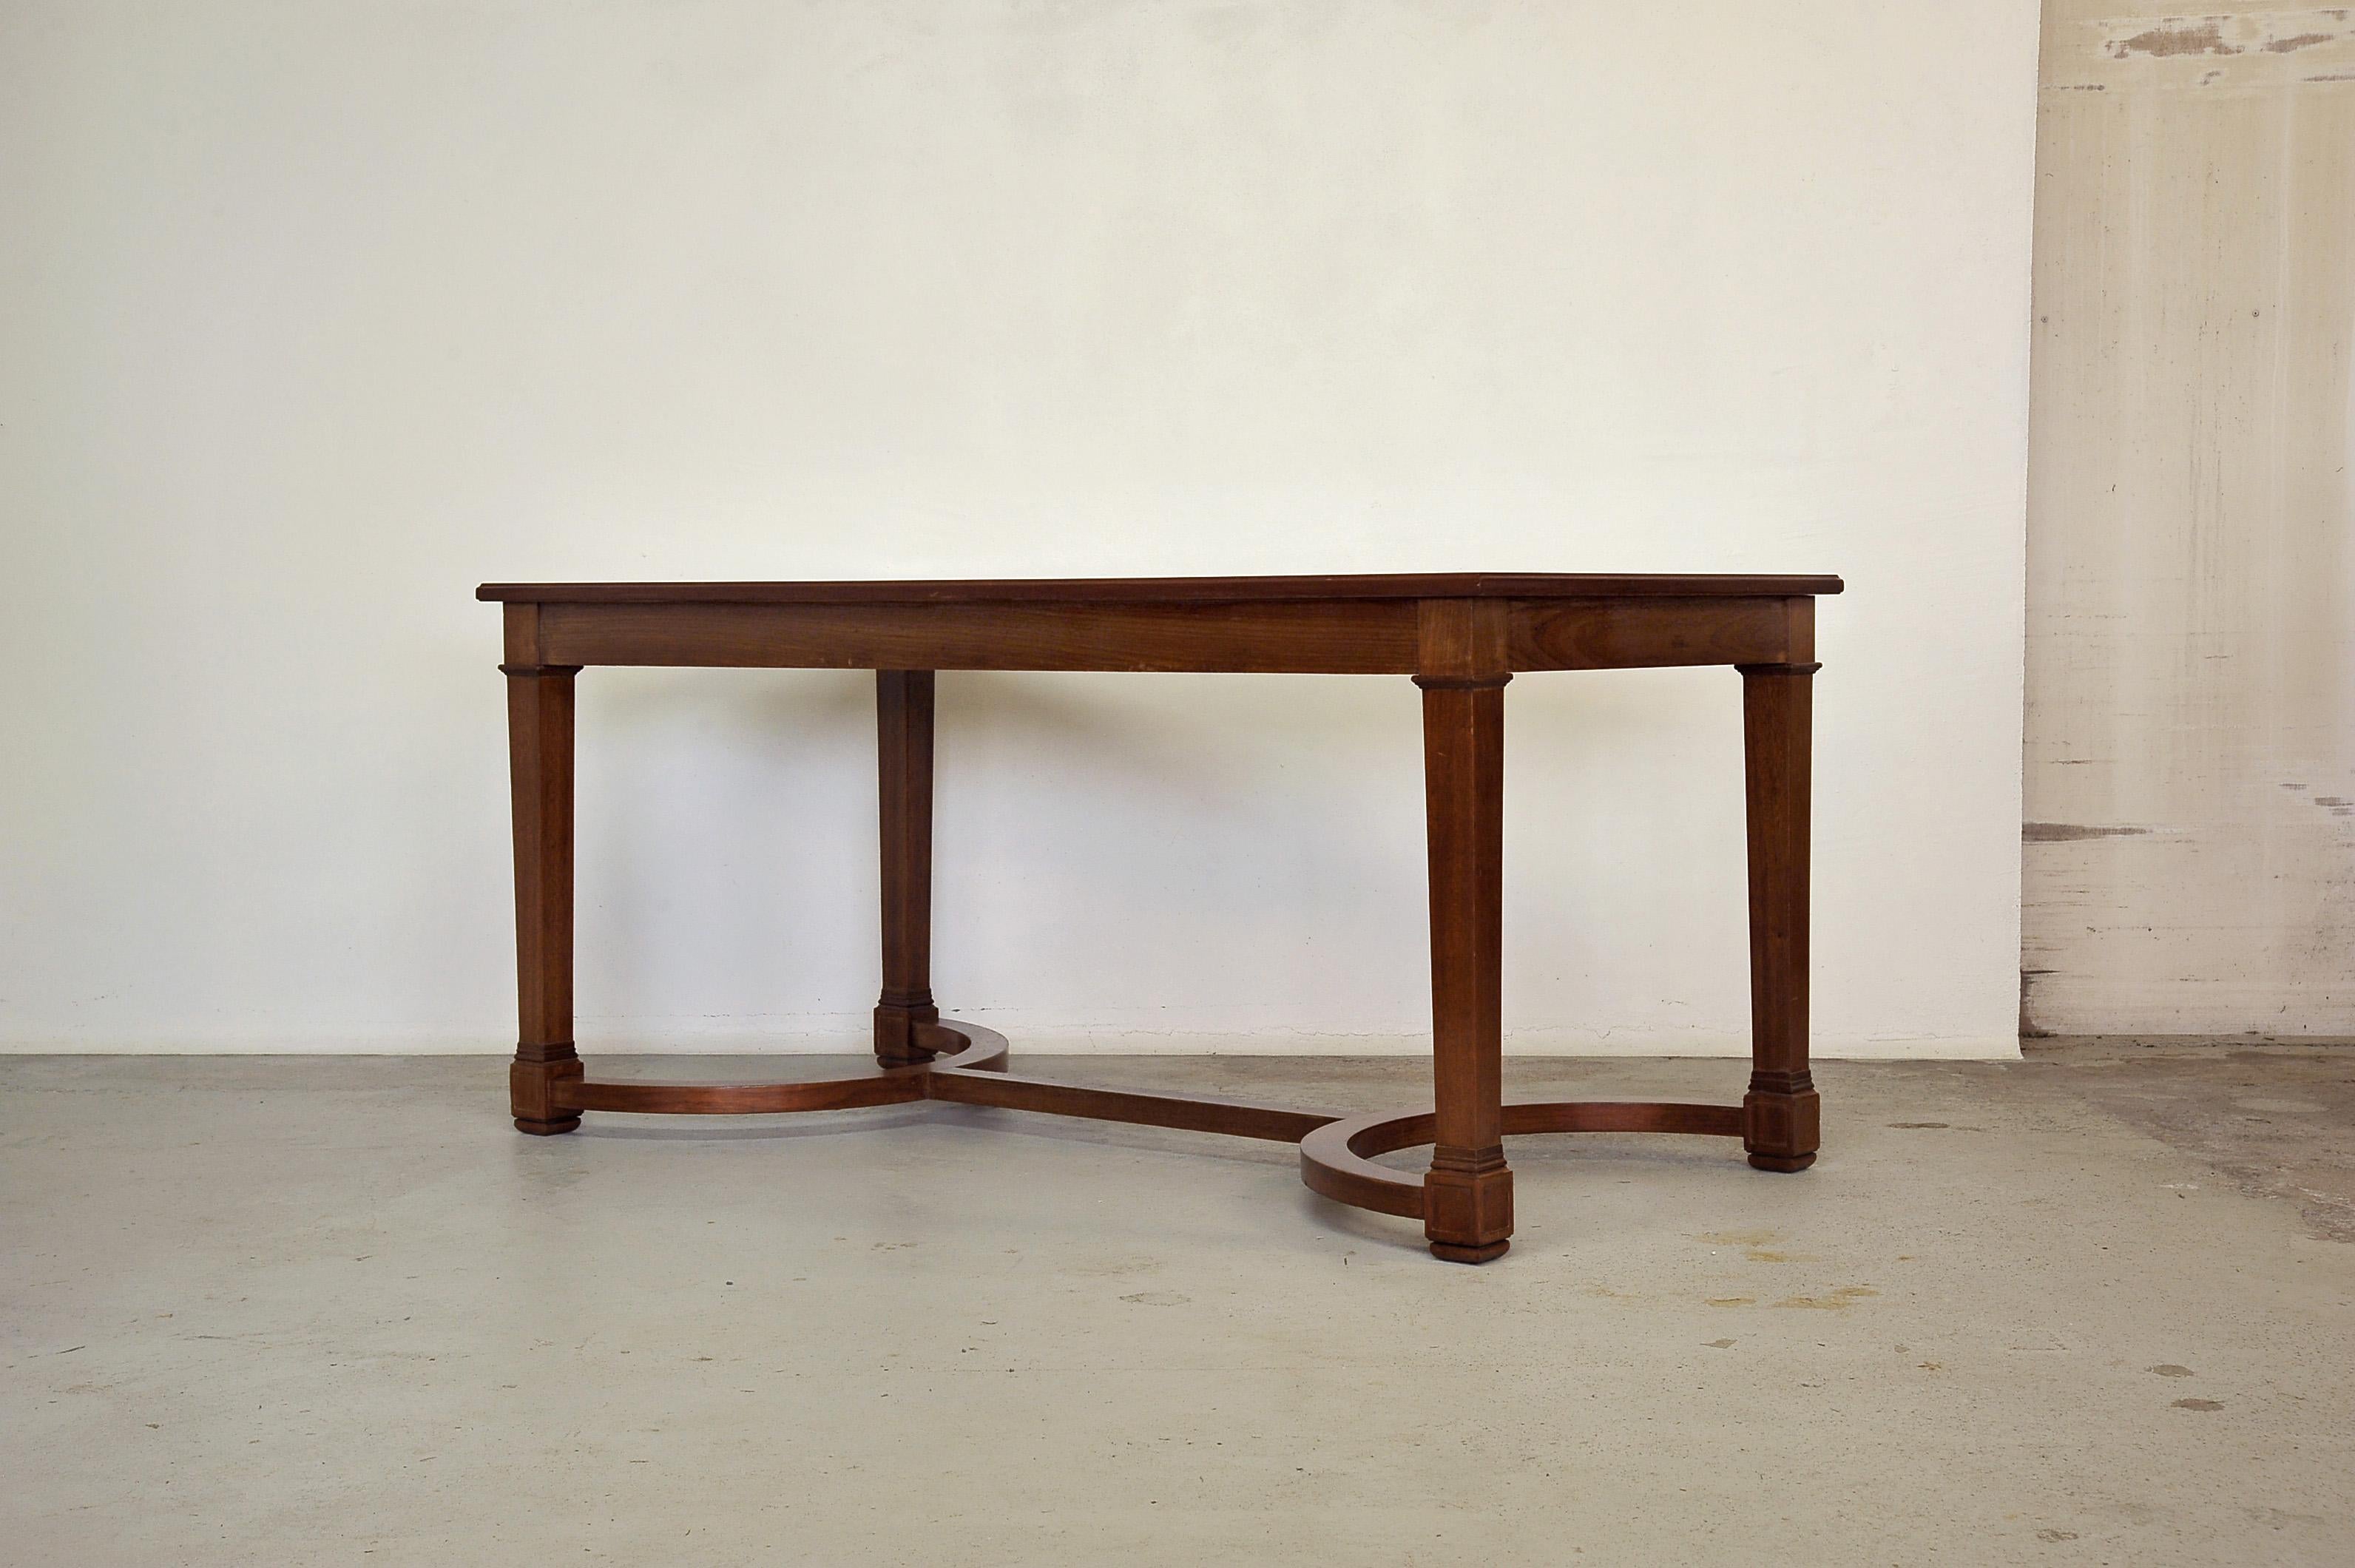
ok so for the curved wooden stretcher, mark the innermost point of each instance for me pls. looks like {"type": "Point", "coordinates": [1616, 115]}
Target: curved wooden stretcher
{"type": "Point", "coordinates": [1462, 637]}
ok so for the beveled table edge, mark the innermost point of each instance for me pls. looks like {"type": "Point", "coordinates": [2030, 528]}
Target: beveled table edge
{"type": "Point", "coordinates": [1177, 590]}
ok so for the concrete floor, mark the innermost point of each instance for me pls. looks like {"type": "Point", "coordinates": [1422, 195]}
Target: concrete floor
{"type": "Point", "coordinates": [2090, 1308]}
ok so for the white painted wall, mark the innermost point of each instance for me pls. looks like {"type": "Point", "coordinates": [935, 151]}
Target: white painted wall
{"type": "Point", "coordinates": [2190, 795]}
{"type": "Point", "coordinates": [311, 317]}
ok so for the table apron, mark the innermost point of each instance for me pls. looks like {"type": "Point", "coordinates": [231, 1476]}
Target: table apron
{"type": "Point", "coordinates": [1314, 636]}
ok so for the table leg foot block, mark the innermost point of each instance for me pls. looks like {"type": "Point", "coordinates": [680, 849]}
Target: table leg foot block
{"type": "Point", "coordinates": [1467, 1205]}
{"type": "Point", "coordinates": [536, 1092]}
{"type": "Point", "coordinates": [1781, 1121]}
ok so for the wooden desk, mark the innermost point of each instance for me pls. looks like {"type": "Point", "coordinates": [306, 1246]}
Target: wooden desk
{"type": "Point", "coordinates": [1461, 638]}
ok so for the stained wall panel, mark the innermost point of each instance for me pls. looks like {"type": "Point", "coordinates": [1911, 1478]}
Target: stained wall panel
{"type": "Point", "coordinates": [2190, 854]}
